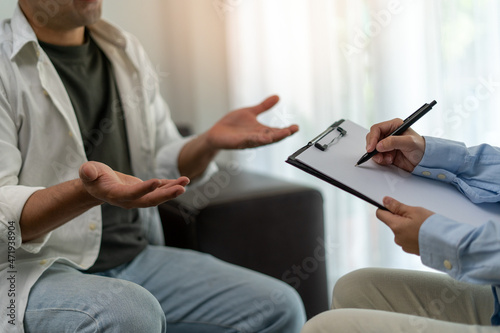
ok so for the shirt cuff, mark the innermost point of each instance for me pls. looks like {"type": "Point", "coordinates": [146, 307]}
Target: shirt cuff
{"type": "Point", "coordinates": [443, 154]}
{"type": "Point", "coordinates": [12, 201]}
{"type": "Point", "coordinates": [168, 157]}
{"type": "Point", "coordinates": [167, 161]}
{"type": "Point", "coordinates": [439, 239]}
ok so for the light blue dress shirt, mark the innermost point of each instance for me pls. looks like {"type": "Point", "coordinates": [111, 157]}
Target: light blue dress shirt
{"type": "Point", "coordinates": [466, 253]}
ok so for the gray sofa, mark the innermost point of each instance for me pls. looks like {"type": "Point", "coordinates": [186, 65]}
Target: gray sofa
{"type": "Point", "coordinates": [259, 222]}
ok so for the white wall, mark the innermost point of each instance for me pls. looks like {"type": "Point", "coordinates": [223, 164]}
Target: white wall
{"type": "Point", "coordinates": [7, 8]}
{"type": "Point", "coordinates": [185, 40]}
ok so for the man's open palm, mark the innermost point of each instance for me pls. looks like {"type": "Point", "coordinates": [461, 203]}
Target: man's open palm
{"type": "Point", "coordinates": [240, 128]}
{"type": "Point", "coordinates": [127, 191]}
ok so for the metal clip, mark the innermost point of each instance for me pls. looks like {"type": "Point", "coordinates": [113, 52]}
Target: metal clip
{"type": "Point", "coordinates": [342, 132]}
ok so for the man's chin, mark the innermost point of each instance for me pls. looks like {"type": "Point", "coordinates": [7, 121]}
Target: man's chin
{"type": "Point", "coordinates": [89, 10]}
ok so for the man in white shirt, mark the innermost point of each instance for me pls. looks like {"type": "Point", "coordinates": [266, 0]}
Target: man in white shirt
{"type": "Point", "coordinates": [71, 264]}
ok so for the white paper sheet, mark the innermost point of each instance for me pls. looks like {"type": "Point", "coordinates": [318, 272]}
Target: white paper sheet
{"type": "Point", "coordinates": [375, 181]}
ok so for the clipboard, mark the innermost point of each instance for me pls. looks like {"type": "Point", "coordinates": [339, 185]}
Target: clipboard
{"type": "Point", "coordinates": [371, 182]}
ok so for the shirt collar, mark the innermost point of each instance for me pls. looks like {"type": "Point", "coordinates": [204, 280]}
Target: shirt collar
{"type": "Point", "coordinates": [103, 30]}
{"type": "Point", "coordinates": [22, 33]}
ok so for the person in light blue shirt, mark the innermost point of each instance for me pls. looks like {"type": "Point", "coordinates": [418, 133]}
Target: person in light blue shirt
{"type": "Point", "coordinates": [462, 300]}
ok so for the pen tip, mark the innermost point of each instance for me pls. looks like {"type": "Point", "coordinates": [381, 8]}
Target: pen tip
{"type": "Point", "coordinates": [356, 165]}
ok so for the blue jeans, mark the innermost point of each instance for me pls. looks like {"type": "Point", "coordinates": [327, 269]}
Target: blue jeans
{"type": "Point", "coordinates": [163, 289]}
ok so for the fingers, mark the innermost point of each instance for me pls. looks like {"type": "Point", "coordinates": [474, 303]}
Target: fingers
{"type": "Point", "coordinates": [271, 135]}
{"type": "Point", "coordinates": [138, 190]}
{"type": "Point", "coordinates": [281, 133]}
{"type": "Point", "coordinates": [293, 129]}
{"type": "Point", "coordinates": [265, 105]}
{"type": "Point", "coordinates": [169, 189]}
{"type": "Point", "coordinates": [404, 143]}
{"type": "Point", "coordinates": [395, 206]}
{"type": "Point", "coordinates": [163, 189]}
{"type": "Point", "coordinates": [405, 222]}
{"type": "Point", "coordinates": [127, 191]}
{"type": "Point", "coordinates": [182, 181]}
{"type": "Point", "coordinates": [395, 213]}
{"type": "Point", "coordinates": [380, 131]}
{"type": "Point", "coordinates": [160, 196]}
{"type": "Point", "coordinates": [385, 158]}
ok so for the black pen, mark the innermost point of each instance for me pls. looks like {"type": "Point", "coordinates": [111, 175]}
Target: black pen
{"type": "Point", "coordinates": [401, 129]}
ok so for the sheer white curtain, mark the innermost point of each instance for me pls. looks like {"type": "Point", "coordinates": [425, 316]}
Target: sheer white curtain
{"type": "Point", "coordinates": [368, 61]}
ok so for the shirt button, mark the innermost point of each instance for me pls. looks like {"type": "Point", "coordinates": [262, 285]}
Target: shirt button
{"type": "Point", "coordinates": [426, 173]}
{"type": "Point", "coordinates": [45, 92]}
{"type": "Point", "coordinates": [43, 262]}
{"type": "Point", "coordinates": [447, 264]}
{"type": "Point", "coordinates": [92, 226]}
{"type": "Point", "coordinates": [441, 176]}
{"type": "Point", "coordinates": [70, 134]}
{"type": "Point", "coordinates": [37, 53]}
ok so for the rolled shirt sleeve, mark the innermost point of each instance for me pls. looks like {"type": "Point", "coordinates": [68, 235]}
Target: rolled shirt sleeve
{"type": "Point", "coordinates": [170, 144]}
{"type": "Point", "coordinates": [12, 201]}
{"type": "Point", "coordinates": [167, 166]}
{"type": "Point", "coordinates": [12, 196]}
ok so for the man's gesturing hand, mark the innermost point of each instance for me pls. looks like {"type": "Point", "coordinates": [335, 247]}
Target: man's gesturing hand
{"type": "Point", "coordinates": [240, 129]}
{"type": "Point", "coordinates": [126, 191]}
{"type": "Point", "coordinates": [405, 222]}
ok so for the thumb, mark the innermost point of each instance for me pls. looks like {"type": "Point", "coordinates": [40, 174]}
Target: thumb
{"type": "Point", "coordinates": [88, 172]}
{"type": "Point", "coordinates": [395, 206]}
{"type": "Point", "coordinates": [266, 104]}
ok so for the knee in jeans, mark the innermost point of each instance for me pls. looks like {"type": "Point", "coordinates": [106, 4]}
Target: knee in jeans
{"type": "Point", "coordinates": [136, 310]}
{"type": "Point", "coordinates": [283, 309]}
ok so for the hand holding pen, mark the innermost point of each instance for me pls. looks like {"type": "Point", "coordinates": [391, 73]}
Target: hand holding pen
{"type": "Point", "coordinates": [394, 142]}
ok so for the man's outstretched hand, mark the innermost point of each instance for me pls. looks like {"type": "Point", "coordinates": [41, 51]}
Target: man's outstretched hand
{"type": "Point", "coordinates": [125, 191]}
{"type": "Point", "coordinates": [240, 129]}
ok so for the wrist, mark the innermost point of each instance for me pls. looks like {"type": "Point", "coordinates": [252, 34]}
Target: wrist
{"type": "Point", "coordinates": [196, 155]}
{"type": "Point", "coordinates": [86, 198]}
{"type": "Point", "coordinates": [207, 144]}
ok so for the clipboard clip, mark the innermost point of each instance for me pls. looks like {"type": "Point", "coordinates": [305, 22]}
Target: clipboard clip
{"type": "Point", "coordinates": [324, 147]}
{"type": "Point", "coordinates": [332, 127]}
{"type": "Point", "coordinates": [341, 132]}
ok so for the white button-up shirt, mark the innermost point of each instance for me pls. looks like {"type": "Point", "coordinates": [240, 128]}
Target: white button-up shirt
{"type": "Point", "coordinates": [41, 146]}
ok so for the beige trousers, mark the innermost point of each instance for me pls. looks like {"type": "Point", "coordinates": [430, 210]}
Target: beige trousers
{"type": "Point", "coordinates": [390, 300]}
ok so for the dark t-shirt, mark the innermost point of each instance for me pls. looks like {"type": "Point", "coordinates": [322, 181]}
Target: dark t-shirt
{"type": "Point", "coordinates": [88, 78]}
